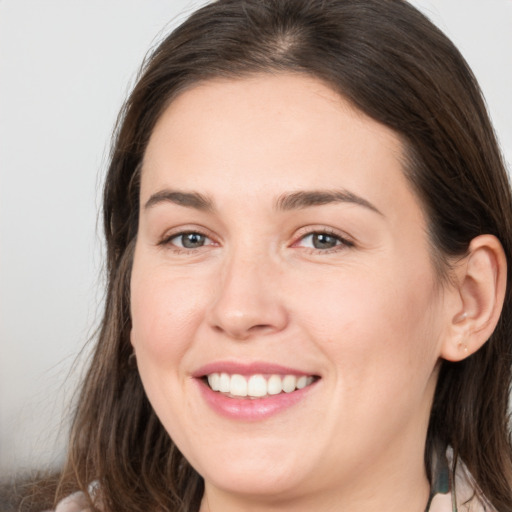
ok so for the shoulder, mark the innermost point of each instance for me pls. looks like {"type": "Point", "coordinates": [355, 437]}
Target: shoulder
{"type": "Point", "coordinates": [76, 502]}
{"type": "Point", "coordinates": [454, 488]}
{"type": "Point", "coordinates": [469, 496]}
{"type": "Point", "coordinates": [456, 491]}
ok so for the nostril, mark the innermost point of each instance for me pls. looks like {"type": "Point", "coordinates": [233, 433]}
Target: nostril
{"type": "Point", "coordinates": [260, 327]}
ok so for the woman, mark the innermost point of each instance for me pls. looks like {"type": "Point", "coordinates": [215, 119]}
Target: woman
{"type": "Point", "coordinates": [308, 225]}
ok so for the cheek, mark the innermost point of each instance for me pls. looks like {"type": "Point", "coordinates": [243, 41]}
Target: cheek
{"type": "Point", "coordinates": [165, 313]}
{"type": "Point", "coordinates": [165, 316]}
{"type": "Point", "coordinates": [375, 320]}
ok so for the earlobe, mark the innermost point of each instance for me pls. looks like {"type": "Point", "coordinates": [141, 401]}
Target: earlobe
{"type": "Point", "coordinates": [480, 283]}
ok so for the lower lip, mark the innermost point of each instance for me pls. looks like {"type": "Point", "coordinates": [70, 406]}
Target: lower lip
{"type": "Point", "coordinates": [251, 409]}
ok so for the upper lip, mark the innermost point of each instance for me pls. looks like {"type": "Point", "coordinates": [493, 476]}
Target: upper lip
{"type": "Point", "coordinates": [251, 368]}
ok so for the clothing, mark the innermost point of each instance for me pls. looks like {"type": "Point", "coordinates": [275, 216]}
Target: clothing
{"type": "Point", "coordinates": [448, 495]}
{"type": "Point", "coordinates": [455, 495]}
{"type": "Point", "coordinates": [76, 502]}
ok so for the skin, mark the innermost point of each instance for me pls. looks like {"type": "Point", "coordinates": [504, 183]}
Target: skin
{"type": "Point", "coordinates": [367, 315]}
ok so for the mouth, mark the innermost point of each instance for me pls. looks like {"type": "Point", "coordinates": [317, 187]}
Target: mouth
{"type": "Point", "coordinates": [258, 385]}
{"type": "Point", "coordinates": [253, 391]}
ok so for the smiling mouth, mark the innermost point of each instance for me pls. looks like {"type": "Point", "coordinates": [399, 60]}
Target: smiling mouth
{"type": "Point", "coordinates": [256, 386]}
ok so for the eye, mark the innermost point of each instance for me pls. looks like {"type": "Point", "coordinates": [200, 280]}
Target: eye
{"type": "Point", "coordinates": [323, 241]}
{"type": "Point", "coordinates": [190, 240]}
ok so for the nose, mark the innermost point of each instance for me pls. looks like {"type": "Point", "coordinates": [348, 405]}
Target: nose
{"type": "Point", "coordinates": [248, 301]}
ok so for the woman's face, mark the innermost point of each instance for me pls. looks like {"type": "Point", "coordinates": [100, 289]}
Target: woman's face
{"type": "Point", "coordinates": [280, 245]}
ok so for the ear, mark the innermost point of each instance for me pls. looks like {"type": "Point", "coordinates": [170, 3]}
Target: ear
{"type": "Point", "coordinates": [480, 284]}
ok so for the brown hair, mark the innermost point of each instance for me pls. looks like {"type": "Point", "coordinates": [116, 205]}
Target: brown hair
{"type": "Point", "coordinates": [394, 65]}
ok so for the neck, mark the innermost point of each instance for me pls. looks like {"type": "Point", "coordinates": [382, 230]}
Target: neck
{"type": "Point", "coordinates": [407, 489]}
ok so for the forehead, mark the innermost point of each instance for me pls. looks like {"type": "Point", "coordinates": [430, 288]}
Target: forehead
{"type": "Point", "coordinates": [276, 131]}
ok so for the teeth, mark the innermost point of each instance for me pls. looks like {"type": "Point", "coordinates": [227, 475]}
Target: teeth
{"type": "Point", "coordinates": [289, 383]}
{"type": "Point", "coordinates": [214, 381]}
{"type": "Point", "coordinates": [238, 385]}
{"type": "Point", "coordinates": [256, 386]}
{"type": "Point", "coordinates": [302, 382]}
{"type": "Point", "coordinates": [225, 383]}
{"type": "Point", "coordinates": [274, 385]}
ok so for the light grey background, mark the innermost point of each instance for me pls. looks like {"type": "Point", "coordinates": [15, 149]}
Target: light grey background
{"type": "Point", "coordinates": [65, 68]}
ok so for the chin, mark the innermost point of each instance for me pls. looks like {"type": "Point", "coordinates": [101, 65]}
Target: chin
{"type": "Point", "coordinates": [267, 482]}
{"type": "Point", "coordinates": [259, 470]}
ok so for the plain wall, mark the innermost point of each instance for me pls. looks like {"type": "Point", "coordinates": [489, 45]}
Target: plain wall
{"type": "Point", "coordinates": [65, 68]}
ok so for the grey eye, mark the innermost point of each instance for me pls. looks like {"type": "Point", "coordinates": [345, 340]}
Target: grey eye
{"type": "Point", "coordinates": [190, 240]}
{"type": "Point", "coordinates": [322, 240]}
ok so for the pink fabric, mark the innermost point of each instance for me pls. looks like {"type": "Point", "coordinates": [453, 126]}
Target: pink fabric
{"type": "Point", "coordinates": [74, 503]}
{"type": "Point", "coordinates": [441, 503]}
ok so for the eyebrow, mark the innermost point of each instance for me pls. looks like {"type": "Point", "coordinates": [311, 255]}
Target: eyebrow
{"type": "Point", "coordinates": [306, 199]}
{"type": "Point", "coordinates": [187, 199]}
{"type": "Point", "coordinates": [286, 202]}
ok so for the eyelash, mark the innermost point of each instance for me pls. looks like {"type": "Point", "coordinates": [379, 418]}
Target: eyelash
{"type": "Point", "coordinates": [342, 242]}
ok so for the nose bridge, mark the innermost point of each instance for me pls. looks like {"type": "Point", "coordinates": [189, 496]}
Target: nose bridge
{"type": "Point", "coordinates": [247, 300]}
